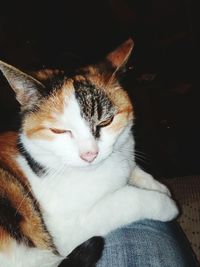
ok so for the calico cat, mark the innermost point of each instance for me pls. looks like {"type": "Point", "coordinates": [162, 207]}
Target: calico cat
{"type": "Point", "coordinates": [69, 174]}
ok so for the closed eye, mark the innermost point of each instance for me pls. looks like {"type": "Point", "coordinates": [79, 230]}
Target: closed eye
{"type": "Point", "coordinates": [106, 122]}
{"type": "Point", "coordinates": [60, 131]}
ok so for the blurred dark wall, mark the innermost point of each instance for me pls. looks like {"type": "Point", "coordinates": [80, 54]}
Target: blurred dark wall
{"type": "Point", "coordinates": [47, 30]}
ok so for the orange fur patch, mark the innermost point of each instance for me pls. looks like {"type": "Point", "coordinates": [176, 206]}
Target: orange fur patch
{"type": "Point", "coordinates": [95, 77]}
{"type": "Point", "coordinates": [8, 152]}
{"type": "Point", "coordinates": [5, 240]}
{"type": "Point", "coordinates": [120, 98]}
{"type": "Point", "coordinates": [37, 124]}
{"type": "Point", "coordinates": [46, 74]}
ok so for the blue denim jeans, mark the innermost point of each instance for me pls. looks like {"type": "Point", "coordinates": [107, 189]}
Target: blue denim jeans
{"type": "Point", "coordinates": [147, 244]}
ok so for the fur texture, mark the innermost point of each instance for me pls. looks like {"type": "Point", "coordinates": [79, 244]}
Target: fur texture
{"type": "Point", "coordinates": [69, 174]}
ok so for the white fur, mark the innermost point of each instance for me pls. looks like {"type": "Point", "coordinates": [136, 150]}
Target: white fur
{"type": "Point", "coordinates": [80, 200]}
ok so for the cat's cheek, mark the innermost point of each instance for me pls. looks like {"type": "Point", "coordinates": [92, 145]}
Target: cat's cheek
{"type": "Point", "coordinates": [108, 137]}
{"type": "Point", "coordinates": [60, 148]}
{"type": "Point", "coordinates": [68, 151]}
{"type": "Point", "coordinates": [120, 123]}
{"type": "Point", "coordinates": [105, 145]}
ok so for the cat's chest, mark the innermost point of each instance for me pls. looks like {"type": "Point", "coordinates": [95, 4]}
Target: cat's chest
{"type": "Point", "coordinates": [66, 197]}
{"type": "Point", "coordinates": [71, 189]}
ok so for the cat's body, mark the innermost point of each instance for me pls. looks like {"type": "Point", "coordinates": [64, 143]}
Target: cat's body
{"type": "Point", "coordinates": [72, 165]}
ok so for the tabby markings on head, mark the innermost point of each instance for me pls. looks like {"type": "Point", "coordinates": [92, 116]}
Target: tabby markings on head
{"type": "Point", "coordinates": [94, 104]}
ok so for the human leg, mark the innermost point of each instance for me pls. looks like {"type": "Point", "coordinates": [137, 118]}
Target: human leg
{"type": "Point", "coordinates": [147, 244]}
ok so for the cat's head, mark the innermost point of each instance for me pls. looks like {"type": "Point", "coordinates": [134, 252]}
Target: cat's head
{"type": "Point", "coordinates": [77, 120]}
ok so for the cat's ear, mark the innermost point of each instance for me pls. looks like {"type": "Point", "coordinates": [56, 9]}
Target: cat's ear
{"type": "Point", "coordinates": [27, 88]}
{"type": "Point", "coordinates": [119, 57]}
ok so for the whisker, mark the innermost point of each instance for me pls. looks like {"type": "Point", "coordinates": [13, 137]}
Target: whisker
{"type": "Point", "coordinates": [24, 198]}
{"type": "Point", "coordinates": [53, 181]}
{"type": "Point", "coordinates": [141, 156]}
{"type": "Point", "coordinates": [142, 160]}
{"type": "Point", "coordinates": [140, 152]}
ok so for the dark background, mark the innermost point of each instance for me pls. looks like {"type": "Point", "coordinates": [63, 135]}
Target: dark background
{"type": "Point", "coordinates": [162, 74]}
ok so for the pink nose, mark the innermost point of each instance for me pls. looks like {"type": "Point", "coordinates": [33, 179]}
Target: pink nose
{"type": "Point", "coordinates": [89, 156]}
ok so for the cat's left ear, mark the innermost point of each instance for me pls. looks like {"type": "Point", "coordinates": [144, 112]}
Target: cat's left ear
{"type": "Point", "coordinates": [27, 88]}
{"type": "Point", "coordinates": [119, 57]}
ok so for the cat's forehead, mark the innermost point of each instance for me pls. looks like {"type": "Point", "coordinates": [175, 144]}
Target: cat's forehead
{"type": "Point", "coordinates": [94, 104]}
{"type": "Point", "coordinates": [93, 101]}
{"type": "Point", "coordinates": [90, 95]}
{"type": "Point", "coordinates": [97, 99]}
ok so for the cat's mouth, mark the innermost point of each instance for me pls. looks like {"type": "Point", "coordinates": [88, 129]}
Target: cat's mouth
{"type": "Point", "coordinates": [96, 162]}
{"type": "Point", "coordinates": [90, 164]}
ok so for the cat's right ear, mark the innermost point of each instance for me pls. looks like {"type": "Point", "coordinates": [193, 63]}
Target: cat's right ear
{"type": "Point", "coordinates": [27, 88]}
{"type": "Point", "coordinates": [119, 57]}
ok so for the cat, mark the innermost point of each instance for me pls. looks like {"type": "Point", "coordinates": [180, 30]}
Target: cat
{"type": "Point", "coordinates": [69, 174]}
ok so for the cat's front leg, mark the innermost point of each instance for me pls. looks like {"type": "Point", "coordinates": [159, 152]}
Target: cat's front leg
{"type": "Point", "coordinates": [144, 180]}
{"type": "Point", "coordinates": [127, 205]}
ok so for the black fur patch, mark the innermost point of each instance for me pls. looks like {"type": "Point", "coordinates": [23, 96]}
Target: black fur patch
{"type": "Point", "coordinates": [85, 255]}
{"type": "Point", "coordinates": [10, 220]}
{"type": "Point", "coordinates": [53, 84]}
{"type": "Point", "coordinates": [33, 164]}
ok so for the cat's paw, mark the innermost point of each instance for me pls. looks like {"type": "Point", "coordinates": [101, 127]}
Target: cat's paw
{"type": "Point", "coordinates": [145, 180]}
{"type": "Point", "coordinates": [167, 208]}
{"type": "Point", "coordinates": [161, 188]}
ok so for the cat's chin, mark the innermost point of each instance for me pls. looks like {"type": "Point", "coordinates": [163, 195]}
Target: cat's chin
{"type": "Point", "coordinates": [89, 165]}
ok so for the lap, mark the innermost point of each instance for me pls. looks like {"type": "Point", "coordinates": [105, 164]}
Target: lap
{"type": "Point", "coordinates": [147, 244]}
